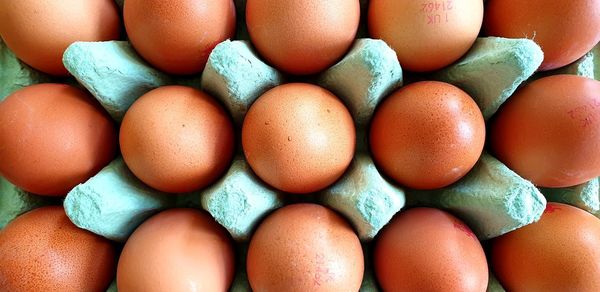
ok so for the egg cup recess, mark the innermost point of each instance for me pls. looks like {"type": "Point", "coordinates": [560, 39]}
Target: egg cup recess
{"type": "Point", "coordinates": [491, 198]}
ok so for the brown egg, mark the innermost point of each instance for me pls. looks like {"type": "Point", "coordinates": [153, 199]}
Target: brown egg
{"type": "Point", "coordinates": [302, 37]}
{"type": "Point", "coordinates": [298, 137]}
{"type": "Point", "coordinates": [43, 251]}
{"type": "Point", "coordinates": [426, 35]}
{"type": "Point", "coordinates": [39, 31]}
{"type": "Point", "coordinates": [305, 247]}
{"type": "Point", "coordinates": [424, 249]}
{"type": "Point", "coordinates": [177, 36]}
{"type": "Point", "coordinates": [549, 131]}
{"type": "Point", "coordinates": [565, 29]}
{"type": "Point", "coordinates": [427, 135]}
{"type": "Point", "coordinates": [177, 250]}
{"type": "Point", "coordinates": [53, 137]}
{"type": "Point", "coordinates": [177, 139]}
{"type": "Point", "coordinates": [560, 252]}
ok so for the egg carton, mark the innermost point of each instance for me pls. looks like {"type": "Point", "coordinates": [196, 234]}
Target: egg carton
{"type": "Point", "coordinates": [491, 198]}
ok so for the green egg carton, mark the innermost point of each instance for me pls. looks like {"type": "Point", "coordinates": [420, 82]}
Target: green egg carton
{"type": "Point", "coordinates": [491, 198]}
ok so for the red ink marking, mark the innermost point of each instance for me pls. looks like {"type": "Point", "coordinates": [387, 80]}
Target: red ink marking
{"type": "Point", "coordinates": [586, 115]}
{"type": "Point", "coordinates": [551, 209]}
{"type": "Point", "coordinates": [436, 12]}
{"type": "Point", "coordinates": [322, 274]}
{"type": "Point", "coordinates": [465, 229]}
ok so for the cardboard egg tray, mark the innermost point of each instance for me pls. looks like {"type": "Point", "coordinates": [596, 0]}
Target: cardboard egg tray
{"type": "Point", "coordinates": [491, 198]}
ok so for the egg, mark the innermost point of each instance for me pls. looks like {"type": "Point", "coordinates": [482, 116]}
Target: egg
{"type": "Point", "coordinates": [39, 31]}
{"type": "Point", "coordinates": [305, 247]}
{"type": "Point", "coordinates": [302, 37]}
{"type": "Point", "coordinates": [426, 35]}
{"type": "Point", "coordinates": [53, 137]}
{"type": "Point", "coordinates": [177, 139]}
{"type": "Point", "coordinates": [427, 135]}
{"type": "Point", "coordinates": [549, 131]}
{"type": "Point", "coordinates": [43, 251]}
{"type": "Point", "coordinates": [425, 249]}
{"type": "Point", "coordinates": [177, 250]}
{"type": "Point", "coordinates": [560, 252]}
{"type": "Point", "coordinates": [564, 29]}
{"type": "Point", "coordinates": [177, 36]}
{"type": "Point", "coordinates": [298, 137]}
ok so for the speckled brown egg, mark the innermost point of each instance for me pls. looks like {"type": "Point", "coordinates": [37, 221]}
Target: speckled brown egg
{"type": "Point", "coordinates": [425, 249]}
{"type": "Point", "coordinates": [177, 250]}
{"type": "Point", "coordinates": [427, 135]}
{"type": "Point", "coordinates": [426, 35]}
{"type": "Point", "coordinates": [302, 37]}
{"type": "Point", "coordinates": [39, 31]}
{"type": "Point", "coordinates": [305, 247]}
{"type": "Point", "coordinates": [177, 139]}
{"type": "Point", "coordinates": [564, 29]}
{"type": "Point", "coordinates": [177, 36]}
{"type": "Point", "coordinates": [43, 251]}
{"type": "Point", "coordinates": [53, 137]}
{"type": "Point", "coordinates": [549, 131]}
{"type": "Point", "coordinates": [298, 137]}
{"type": "Point", "coordinates": [560, 252]}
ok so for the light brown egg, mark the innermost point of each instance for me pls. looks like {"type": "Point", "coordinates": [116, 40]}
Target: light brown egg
{"type": "Point", "coordinates": [298, 137]}
{"type": "Point", "coordinates": [565, 29]}
{"type": "Point", "coordinates": [39, 31]}
{"type": "Point", "coordinates": [426, 35]}
{"type": "Point", "coordinates": [302, 37]}
{"type": "Point", "coordinates": [177, 250]}
{"type": "Point", "coordinates": [177, 139]}
{"type": "Point", "coordinates": [305, 247]}
{"type": "Point", "coordinates": [549, 131]}
{"type": "Point", "coordinates": [560, 252]}
{"type": "Point", "coordinates": [177, 36]}
{"type": "Point", "coordinates": [427, 135]}
{"type": "Point", "coordinates": [53, 137]}
{"type": "Point", "coordinates": [43, 251]}
{"type": "Point", "coordinates": [425, 249]}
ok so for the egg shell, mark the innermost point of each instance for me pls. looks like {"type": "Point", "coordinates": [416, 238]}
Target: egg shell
{"type": "Point", "coordinates": [177, 250]}
{"type": "Point", "coordinates": [565, 29]}
{"type": "Point", "coordinates": [305, 247]}
{"type": "Point", "coordinates": [177, 36]}
{"type": "Point", "coordinates": [427, 135]}
{"type": "Point", "coordinates": [40, 31]}
{"type": "Point", "coordinates": [302, 37]}
{"type": "Point", "coordinates": [53, 137]}
{"type": "Point", "coordinates": [177, 139]}
{"type": "Point", "coordinates": [298, 137]}
{"type": "Point", "coordinates": [43, 251]}
{"type": "Point", "coordinates": [548, 131]}
{"type": "Point", "coordinates": [425, 249]}
{"type": "Point", "coordinates": [426, 35]}
{"type": "Point", "coordinates": [560, 252]}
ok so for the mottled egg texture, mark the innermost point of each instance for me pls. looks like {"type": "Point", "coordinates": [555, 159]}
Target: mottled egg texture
{"type": "Point", "coordinates": [549, 131]}
{"type": "Point", "coordinates": [39, 31]}
{"type": "Point", "coordinates": [53, 137]}
{"type": "Point", "coordinates": [305, 247]}
{"type": "Point", "coordinates": [427, 135]}
{"type": "Point", "coordinates": [177, 139]}
{"type": "Point", "coordinates": [565, 29]}
{"type": "Point", "coordinates": [298, 137]}
{"type": "Point", "coordinates": [177, 250]}
{"type": "Point", "coordinates": [177, 36]}
{"type": "Point", "coordinates": [426, 35]}
{"type": "Point", "coordinates": [426, 249]}
{"type": "Point", "coordinates": [43, 251]}
{"type": "Point", "coordinates": [560, 252]}
{"type": "Point", "coordinates": [302, 37]}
